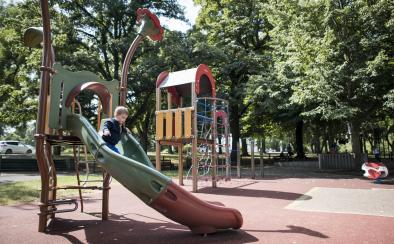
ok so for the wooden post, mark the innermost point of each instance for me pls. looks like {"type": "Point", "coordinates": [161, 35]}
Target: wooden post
{"type": "Point", "coordinates": [158, 108]}
{"type": "Point", "coordinates": [180, 164]}
{"type": "Point", "coordinates": [253, 169]}
{"type": "Point", "coordinates": [261, 158]}
{"type": "Point", "coordinates": [238, 161]}
{"type": "Point", "coordinates": [105, 203]}
{"type": "Point", "coordinates": [157, 159]}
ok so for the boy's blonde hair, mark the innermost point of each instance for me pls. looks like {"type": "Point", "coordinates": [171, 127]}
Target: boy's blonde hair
{"type": "Point", "coordinates": [119, 110]}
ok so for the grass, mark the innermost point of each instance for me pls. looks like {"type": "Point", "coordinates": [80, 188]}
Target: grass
{"type": "Point", "coordinates": [26, 191]}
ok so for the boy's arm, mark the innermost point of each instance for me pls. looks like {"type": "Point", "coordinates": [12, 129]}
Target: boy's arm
{"type": "Point", "coordinates": [107, 128]}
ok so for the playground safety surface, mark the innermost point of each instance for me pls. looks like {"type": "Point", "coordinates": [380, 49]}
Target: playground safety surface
{"type": "Point", "coordinates": [286, 206]}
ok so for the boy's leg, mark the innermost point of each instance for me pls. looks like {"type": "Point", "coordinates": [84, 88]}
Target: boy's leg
{"type": "Point", "coordinates": [113, 148]}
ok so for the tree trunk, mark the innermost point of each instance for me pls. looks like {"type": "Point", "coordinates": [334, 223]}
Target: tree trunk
{"type": "Point", "coordinates": [365, 144]}
{"type": "Point", "coordinates": [220, 145]}
{"type": "Point", "coordinates": [325, 144]}
{"type": "Point", "coordinates": [145, 132]}
{"type": "Point", "coordinates": [244, 147]}
{"type": "Point", "coordinates": [263, 143]}
{"type": "Point", "coordinates": [235, 130]}
{"type": "Point", "coordinates": [354, 128]}
{"type": "Point", "coordinates": [299, 140]}
{"type": "Point", "coordinates": [316, 140]}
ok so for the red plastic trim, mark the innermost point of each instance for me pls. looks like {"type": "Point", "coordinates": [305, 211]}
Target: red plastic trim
{"type": "Point", "coordinates": [98, 88]}
{"type": "Point", "coordinates": [203, 69]}
{"type": "Point", "coordinates": [162, 76]}
{"type": "Point", "coordinates": [155, 20]}
{"type": "Point", "coordinates": [221, 114]}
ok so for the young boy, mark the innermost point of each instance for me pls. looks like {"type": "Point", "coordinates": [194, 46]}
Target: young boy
{"type": "Point", "coordinates": [114, 127]}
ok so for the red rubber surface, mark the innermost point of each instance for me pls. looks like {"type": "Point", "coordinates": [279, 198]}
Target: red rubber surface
{"type": "Point", "coordinates": [261, 202]}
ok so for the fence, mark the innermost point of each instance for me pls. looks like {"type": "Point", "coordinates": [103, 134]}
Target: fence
{"type": "Point", "coordinates": [15, 163]}
{"type": "Point", "coordinates": [344, 161]}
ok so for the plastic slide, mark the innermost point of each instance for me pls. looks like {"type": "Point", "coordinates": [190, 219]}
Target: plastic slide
{"type": "Point", "coordinates": [135, 171]}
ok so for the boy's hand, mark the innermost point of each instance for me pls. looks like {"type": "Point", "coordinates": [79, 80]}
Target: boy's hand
{"type": "Point", "coordinates": [106, 133]}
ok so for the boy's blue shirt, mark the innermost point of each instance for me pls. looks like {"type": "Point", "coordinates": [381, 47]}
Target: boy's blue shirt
{"type": "Point", "coordinates": [115, 129]}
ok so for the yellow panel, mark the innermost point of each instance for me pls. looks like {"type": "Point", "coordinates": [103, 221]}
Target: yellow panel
{"type": "Point", "coordinates": [188, 123]}
{"type": "Point", "coordinates": [159, 126]}
{"type": "Point", "coordinates": [178, 124]}
{"type": "Point", "coordinates": [169, 134]}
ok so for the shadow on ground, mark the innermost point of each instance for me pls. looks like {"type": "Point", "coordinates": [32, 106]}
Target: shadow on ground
{"type": "Point", "coordinates": [295, 229]}
{"type": "Point", "coordinates": [122, 229]}
{"type": "Point", "coordinates": [254, 193]}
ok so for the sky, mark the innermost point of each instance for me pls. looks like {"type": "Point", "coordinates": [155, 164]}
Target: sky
{"type": "Point", "coordinates": [191, 12]}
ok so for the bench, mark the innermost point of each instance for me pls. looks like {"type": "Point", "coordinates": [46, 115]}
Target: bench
{"type": "Point", "coordinates": [166, 164]}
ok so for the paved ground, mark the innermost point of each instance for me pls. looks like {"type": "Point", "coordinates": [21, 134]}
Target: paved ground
{"type": "Point", "coordinates": [375, 201]}
{"type": "Point", "coordinates": [263, 203]}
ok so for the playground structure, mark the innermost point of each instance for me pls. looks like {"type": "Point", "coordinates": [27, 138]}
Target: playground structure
{"type": "Point", "coordinates": [375, 170]}
{"type": "Point", "coordinates": [193, 115]}
{"type": "Point", "coordinates": [58, 124]}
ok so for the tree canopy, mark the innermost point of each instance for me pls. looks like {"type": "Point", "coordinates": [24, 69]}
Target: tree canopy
{"type": "Point", "coordinates": [310, 72]}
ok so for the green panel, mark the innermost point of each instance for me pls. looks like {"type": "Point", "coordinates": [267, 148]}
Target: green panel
{"type": "Point", "coordinates": [70, 80]}
{"type": "Point", "coordinates": [135, 173]}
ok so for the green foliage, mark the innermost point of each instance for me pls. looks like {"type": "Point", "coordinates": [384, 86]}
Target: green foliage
{"type": "Point", "coordinates": [18, 65]}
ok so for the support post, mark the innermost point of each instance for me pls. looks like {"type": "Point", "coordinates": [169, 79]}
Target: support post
{"type": "Point", "coordinates": [261, 158]}
{"type": "Point", "coordinates": [213, 150]}
{"type": "Point", "coordinates": [47, 57]}
{"type": "Point", "coordinates": [105, 201]}
{"type": "Point", "coordinates": [238, 161]}
{"type": "Point", "coordinates": [227, 151]}
{"type": "Point", "coordinates": [194, 139]}
{"type": "Point", "coordinates": [180, 164]}
{"type": "Point", "coordinates": [253, 169]}
{"type": "Point", "coordinates": [157, 158]}
{"type": "Point", "coordinates": [213, 165]}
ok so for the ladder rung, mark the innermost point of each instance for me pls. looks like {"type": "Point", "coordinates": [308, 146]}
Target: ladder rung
{"type": "Point", "coordinates": [80, 187]}
{"type": "Point", "coordinates": [91, 181]}
{"type": "Point", "coordinates": [87, 161]}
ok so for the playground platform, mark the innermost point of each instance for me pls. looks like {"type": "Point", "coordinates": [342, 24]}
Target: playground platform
{"type": "Point", "coordinates": [286, 206]}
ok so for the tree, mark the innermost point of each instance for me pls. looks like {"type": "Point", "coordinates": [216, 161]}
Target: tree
{"type": "Point", "coordinates": [18, 64]}
{"type": "Point", "coordinates": [337, 53]}
{"type": "Point", "coordinates": [239, 30]}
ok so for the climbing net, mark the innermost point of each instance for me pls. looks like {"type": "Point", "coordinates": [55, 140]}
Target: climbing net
{"type": "Point", "coordinates": [212, 144]}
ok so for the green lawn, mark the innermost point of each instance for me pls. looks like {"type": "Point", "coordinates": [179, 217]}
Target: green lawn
{"type": "Point", "coordinates": [27, 191]}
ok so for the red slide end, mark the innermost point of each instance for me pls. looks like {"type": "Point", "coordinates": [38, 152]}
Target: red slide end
{"type": "Point", "coordinates": [201, 217]}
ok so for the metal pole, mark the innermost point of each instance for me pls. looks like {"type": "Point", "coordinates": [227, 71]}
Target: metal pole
{"type": "Point", "coordinates": [214, 137]}
{"type": "Point", "coordinates": [125, 68]}
{"type": "Point", "coordinates": [227, 152]}
{"type": "Point", "coordinates": [238, 161]}
{"type": "Point", "coordinates": [261, 158]}
{"type": "Point", "coordinates": [253, 169]}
